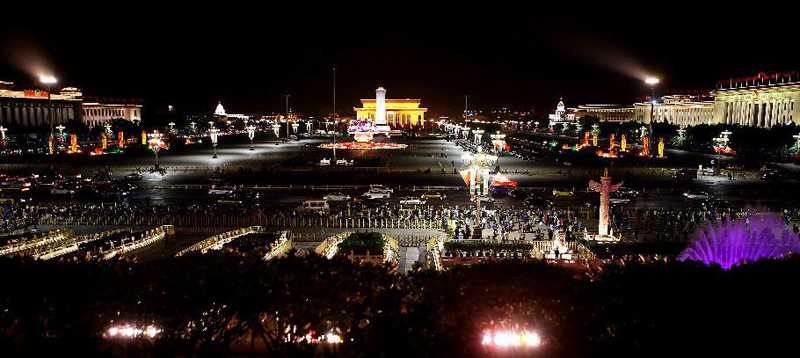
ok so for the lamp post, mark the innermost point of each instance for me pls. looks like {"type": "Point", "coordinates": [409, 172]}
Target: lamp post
{"type": "Point", "coordinates": [479, 178]}
{"type": "Point", "coordinates": [276, 128]}
{"type": "Point", "coordinates": [295, 125]}
{"type": "Point", "coordinates": [47, 81]}
{"type": "Point", "coordinates": [478, 134]}
{"type": "Point", "coordinates": [286, 96]}
{"type": "Point", "coordinates": [466, 103]}
{"type": "Point", "coordinates": [652, 81]}
{"type": "Point", "coordinates": [193, 125]}
{"type": "Point", "coordinates": [60, 132]}
{"type": "Point", "coordinates": [171, 127]}
{"type": "Point", "coordinates": [251, 132]}
{"type": "Point", "coordinates": [722, 142]}
{"type": "Point", "coordinates": [499, 140]}
{"type": "Point", "coordinates": [214, 133]}
{"type": "Point", "coordinates": [3, 132]}
{"type": "Point", "coordinates": [155, 144]}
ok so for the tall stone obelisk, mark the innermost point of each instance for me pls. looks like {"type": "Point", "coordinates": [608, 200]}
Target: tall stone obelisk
{"type": "Point", "coordinates": [380, 111]}
{"type": "Point", "coordinates": [605, 188]}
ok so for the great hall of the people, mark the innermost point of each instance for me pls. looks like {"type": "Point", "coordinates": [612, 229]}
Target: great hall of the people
{"type": "Point", "coordinates": [764, 100]}
{"type": "Point", "coordinates": [29, 108]}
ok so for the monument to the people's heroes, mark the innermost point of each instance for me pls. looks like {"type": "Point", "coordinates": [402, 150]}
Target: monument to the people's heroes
{"type": "Point", "coordinates": [380, 112]}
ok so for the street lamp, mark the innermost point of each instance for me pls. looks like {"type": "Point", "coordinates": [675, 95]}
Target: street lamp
{"type": "Point", "coordinates": [478, 178]}
{"type": "Point", "coordinates": [171, 127]}
{"type": "Point", "coordinates": [478, 135]}
{"type": "Point", "coordinates": [308, 126]}
{"type": "Point", "coordinates": [276, 127]}
{"type": "Point", "coordinates": [251, 132]}
{"type": "Point", "coordinates": [3, 132]}
{"type": "Point", "coordinates": [47, 81]}
{"type": "Point", "coordinates": [294, 127]}
{"type": "Point", "coordinates": [722, 142]}
{"type": "Point", "coordinates": [652, 81]}
{"type": "Point", "coordinates": [156, 143]}
{"type": "Point", "coordinates": [214, 133]}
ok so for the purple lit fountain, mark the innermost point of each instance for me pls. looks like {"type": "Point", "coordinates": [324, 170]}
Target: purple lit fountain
{"type": "Point", "coordinates": [729, 243]}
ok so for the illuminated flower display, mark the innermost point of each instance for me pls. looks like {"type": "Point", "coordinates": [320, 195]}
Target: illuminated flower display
{"type": "Point", "coordinates": [363, 146]}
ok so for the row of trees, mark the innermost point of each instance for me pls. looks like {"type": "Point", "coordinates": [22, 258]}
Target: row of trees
{"type": "Point", "coordinates": [221, 301]}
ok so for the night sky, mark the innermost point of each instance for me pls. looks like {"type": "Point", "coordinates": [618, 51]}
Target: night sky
{"type": "Point", "coordinates": [249, 58]}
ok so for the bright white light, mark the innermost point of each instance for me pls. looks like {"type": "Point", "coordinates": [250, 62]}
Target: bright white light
{"type": "Point", "coordinates": [511, 339]}
{"type": "Point", "coordinates": [126, 331]}
{"type": "Point", "coordinates": [47, 79]}
{"type": "Point", "coordinates": [651, 81]}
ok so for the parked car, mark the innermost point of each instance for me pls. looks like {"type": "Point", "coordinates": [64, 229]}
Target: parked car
{"type": "Point", "coordinates": [434, 195]}
{"type": "Point", "coordinates": [338, 196]}
{"type": "Point", "coordinates": [626, 192]}
{"type": "Point", "coordinates": [410, 200]}
{"type": "Point", "coordinates": [314, 205]}
{"type": "Point", "coordinates": [501, 190]}
{"type": "Point", "coordinates": [344, 162]}
{"type": "Point", "coordinates": [324, 162]}
{"type": "Point", "coordinates": [484, 199]}
{"type": "Point", "coordinates": [562, 192]}
{"type": "Point", "coordinates": [697, 195]}
{"type": "Point", "coordinates": [376, 194]}
{"type": "Point", "coordinates": [771, 175]}
{"type": "Point", "coordinates": [381, 188]}
{"type": "Point", "coordinates": [62, 191]}
{"type": "Point", "coordinates": [219, 189]}
{"type": "Point", "coordinates": [134, 176]}
{"type": "Point", "coordinates": [536, 201]}
{"type": "Point", "coordinates": [685, 174]}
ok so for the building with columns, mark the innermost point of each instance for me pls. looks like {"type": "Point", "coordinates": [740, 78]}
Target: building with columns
{"type": "Point", "coordinates": [605, 112]}
{"type": "Point", "coordinates": [29, 108]}
{"type": "Point", "coordinates": [759, 101]}
{"type": "Point", "coordinates": [399, 113]}
{"type": "Point", "coordinates": [682, 110]}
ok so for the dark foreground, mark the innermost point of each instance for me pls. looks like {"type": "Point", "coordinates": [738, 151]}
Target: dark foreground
{"type": "Point", "coordinates": [234, 304]}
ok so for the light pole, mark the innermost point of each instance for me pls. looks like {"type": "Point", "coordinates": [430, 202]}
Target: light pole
{"type": "Point", "coordinates": [171, 127]}
{"type": "Point", "coordinates": [60, 132]}
{"type": "Point", "coordinates": [478, 133]}
{"type": "Point", "coordinates": [47, 81]}
{"type": "Point", "coordinates": [251, 132]}
{"type": "Point", "coordinates": [276, 127]}
{"type": "Point", "coordinates": [3, 132]}
{"type": "Point", "coordinates": [466, 102]}
{"type": "Point", "coordinates": [214, 133]}
{"type": "Point", "coordinates": [479, 178]}
{"type": "Point", "coordinates": [652, 81]}
{"type": "Point", "coordinates": [155, 144]}
{"type": "Point", "coordinates": [722, 142]}
{"type": "Point", "coordinates": [287, 115]}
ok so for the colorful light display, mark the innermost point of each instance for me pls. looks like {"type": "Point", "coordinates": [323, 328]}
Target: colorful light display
{"type": "Point", "coordinates": [730, 243]}
{"type": "Point", "coordinates": [511, 339]}
{"type": "Point", "coordinates": [73, 141]}
{"type": "Point", "coordinates": [363, 146]}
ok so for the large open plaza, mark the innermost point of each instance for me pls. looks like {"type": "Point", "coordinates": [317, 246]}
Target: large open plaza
{"type": "Point", "coordinates": [532, 188]}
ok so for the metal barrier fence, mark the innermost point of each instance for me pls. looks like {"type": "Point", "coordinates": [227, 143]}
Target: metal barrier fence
{"type": "Point", "coordinates": [227, 221]}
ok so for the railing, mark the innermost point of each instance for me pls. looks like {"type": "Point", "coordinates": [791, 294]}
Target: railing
{"type": "Point", "coordinates": [330, 246]}
{"type": "Point", "coordinates": [36, 241]}
{"type": "Point", "coordinates": [146, 239]}
{"type": "Point", "coordinates": [240, 221]}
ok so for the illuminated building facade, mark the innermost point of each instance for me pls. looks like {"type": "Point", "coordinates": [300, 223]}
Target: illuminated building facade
{"type": "Point", "coordinates": [561, 115]}
{"type": "Point", "coordinates": [29, 108]}
{"type": "Point", "coordinates": [398, 113]}
{"type": "Point", "coordinates": [605, 112]}
{"type": "Point", "coordinates": [682, 110]}
{"type": "Point", "coordinates": [764, 100]}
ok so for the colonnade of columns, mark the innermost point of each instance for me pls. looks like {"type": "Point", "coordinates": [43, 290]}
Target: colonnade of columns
{"type": "Point", "coordinates": [763, 113]}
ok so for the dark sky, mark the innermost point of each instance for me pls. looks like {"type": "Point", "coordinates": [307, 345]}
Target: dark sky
{"type": "Point", "coordinates": [505, 56]}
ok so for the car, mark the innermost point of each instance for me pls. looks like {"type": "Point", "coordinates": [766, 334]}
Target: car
{"type": "Point", "coordinates": [381, 187]}
{"type": "Point", "coordinates": [410, 200]}
{"type": "Point", "coordinates": [685, 174]}
{"type": "Point", "coordinates": [218, 189]}
{"type": "Point", "coordinates": [134, 176]}
{"type": "Point", "coordinates": [627, 192]}
{"type": "Point", "coordinates": [484, 199]}
{"type": "Point", "coordinates": [373, 203]}
{"type": "Point", "coordinates": [771, 175]}
{"type": "Point", "coordinates": [336, 197]}
{"type": "Point", "coordinates": [324, 162]}
{"type": "Point", "coordinates": [501, 190]}
{"type": "Point", "coordinates": [562, 192]}
{"type": "Point", "coordinates": [536, 201]}
{"type": "Point", "coordinates": [697, 195]}
{"type": "Point", "coordinates": [434, 195]}
{"type": "Point", "coordinates": [344, 162]}
{"type": "Point", "coordinates": [62, 191]}
{"type": "Point", "coordinates": [374, 194]}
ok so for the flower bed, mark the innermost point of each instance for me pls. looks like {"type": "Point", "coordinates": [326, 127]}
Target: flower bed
{"type": "Point", "coordinates": [363, 145]}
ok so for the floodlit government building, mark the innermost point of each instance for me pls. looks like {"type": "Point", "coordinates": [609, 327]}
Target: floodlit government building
{"type": "Point", "coordinates": [763, 101]}
{"type": "Point", "coordinates": [399, 113]}
{"type": "Point", "coordinates": [29, 108]}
